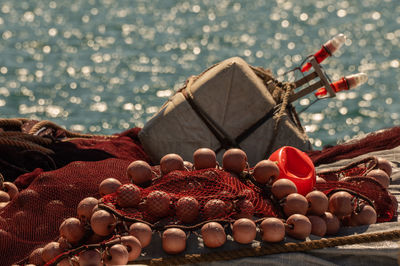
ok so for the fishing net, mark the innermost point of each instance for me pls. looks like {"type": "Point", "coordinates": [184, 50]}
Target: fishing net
{"type": "Point", "coordinates": [51, 191]}
{"type": "Point", "coordinates": [381, 140]}
{"type": "Point", "coordinates": [80, 163]}
{"type": "Point", "coordinates": [203, 185]}
{"type": "Point", "coordinates": [209, 184]}
{"type": "Point", "coordinates": [352, 178]}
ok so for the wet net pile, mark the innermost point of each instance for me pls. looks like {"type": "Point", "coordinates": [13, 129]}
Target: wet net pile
{"type": "Point", "coordinates": [76, 166]}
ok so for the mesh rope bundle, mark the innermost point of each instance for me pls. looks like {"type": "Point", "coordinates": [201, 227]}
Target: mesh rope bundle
{"type": "Point", "coordinates": [47, 197]}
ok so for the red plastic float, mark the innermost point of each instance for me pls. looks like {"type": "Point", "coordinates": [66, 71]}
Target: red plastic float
{"type": "Point", "coordinates": [297, 166]}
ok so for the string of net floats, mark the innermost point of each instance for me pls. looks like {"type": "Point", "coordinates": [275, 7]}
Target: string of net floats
{"type": "Point", "coordinates": [130, 209]}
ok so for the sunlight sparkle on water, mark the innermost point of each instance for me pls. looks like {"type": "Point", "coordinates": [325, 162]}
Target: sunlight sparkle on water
{"type": "Point", "coordinates": [57, 56]}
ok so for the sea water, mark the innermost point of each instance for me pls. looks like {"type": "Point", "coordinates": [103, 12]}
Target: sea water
{"type": "Point", "coordinates": [104, 66]}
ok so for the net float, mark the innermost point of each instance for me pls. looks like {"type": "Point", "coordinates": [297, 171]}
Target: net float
{"type": "Point", "coordinates": [318, 225]}
{"type": "Point", "coordinates": [142, 232]}
{"type": "Point", "coordinates": [244, 231]}
{"type": "Point", "coordinates": [133, 246]}
{"type": "Point", "coordinates": [36, 257]}
{"type": "Point", "coordinates": [272, 229]}
{"type": "Point", "coordinates": [4, 196]}
{"type": "Point", "coordinates": [90, 257]}
{"type": "Point", "coordinates": [173, 241]}
{"type": "Point", "coordinates": [128, 195]}
{"type": "Point", "coordinates": [11, 189]}
{"type": "Point", "coordinates": [72, 229]}
{"type": "Point", "coordinates": [187, 209]}
{"type": "Point", "coordinates": [283, 187]}
{"type": "Point", "coordinates": [383, 164]}
{"type": "Point", "coordinates": [340, 204]}
{"type": "Point", "coordinates": [50, 251]}
{"type": "Point", "coordinates": [64, 244]}
{"type": "Point", "coordinates": [28, 198]}
{"type": "Point", "coordinates": [318, 202]}
{"type": "Point", "coordinates": [244, 209]}
{"type": "Point", "coordinates": [215, 208]}
{"type": "Point", "coordinates": [364, 215]}
{"type": "Point", "coordinates": [158, 203]}
{"type": "Point", "coordinates": [234, 160]}
{"type": "Point", "coordinates": [171, 162]}
{"type": "Point", "coordinates": [380, 176]}
{"type": "Point", "coordinates": [188, 165]}
{"type": "Point", "coordinates": [345, 83]}
{"type": "Point", "coordinates": [139, 172]}
{"type": "Point", "coordinates": [103, 223]}
{"type": "Point", "coordinates": [332, 223]}
{"type": "Point", "coordinates": [213, 235]}
{"type": "Point", "coordinates": [3, 204]}
{"type": "Point", "coordinates": [109, 186]}
{"type": "Point", "coordinates": [85, 209]}
{"type": "Point", "coordinates": [295, 203]}
{"type": "Point", "coordinates": [116, 255]}
{"type": "Point", "coordinates": [327, 50]}
{"type": "Point", "coordinates": [204, 158]}
{"type": "Point", "coordinates": [299, 226]}
{"type": "Point", "coordinates": [265, 171]}
{"type": "Point", "coordinates": [320, 180]}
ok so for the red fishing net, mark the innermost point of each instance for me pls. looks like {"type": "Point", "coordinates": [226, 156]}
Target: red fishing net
{"type": "Point", "coordinates": [205, 186]}
{"type": "Point", "coordinates": [376, 141]}
{"type": "Point", "coordinates": [32, 219]}
{"type": "Point", "coordinates": [353, 178]}
{"type": "Point", "coordinates": [46, 198]}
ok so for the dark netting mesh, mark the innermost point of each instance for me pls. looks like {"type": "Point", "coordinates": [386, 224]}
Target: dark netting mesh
{"type": "Point", "coordinates": [376, 141]}
{"type": "Point", "coordinates": [356, 168]}
{"type": "Point", "coordinates": [47, 197]}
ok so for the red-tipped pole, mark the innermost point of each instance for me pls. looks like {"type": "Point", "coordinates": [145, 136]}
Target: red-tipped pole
{"type": "Point", "coordinates": [328, 49]}
{"type": "Point", "coordinates": [345, 83]}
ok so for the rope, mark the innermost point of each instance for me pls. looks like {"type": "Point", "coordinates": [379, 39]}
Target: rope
{"type": "Point", "coordinates": [16, 135]}
{"type": "Point", "coordinates": [288, 89]}
{"type": "Point", "coordinates": [12, 122]}
{"type": "Point", "coordinates": [1, 182]}
{"type": "Point", "coordinates": [161, 227]}
{"type": "Point", "coordinates": [70, 134]}
{"type": "Point", "coordinates": [67, 254]}
{"type": "Point", "coordinates": [268, 249]}
{"type": "Point", "coordinates": [23, 144]}
{"type": "Point", "coordinates": [12, 167]}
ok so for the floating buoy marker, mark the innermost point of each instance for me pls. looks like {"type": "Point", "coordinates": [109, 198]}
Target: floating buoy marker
{"type": "Point", "coordinates": [328, 49]}
{"type": "Point", "coordinates": [345, 83]}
